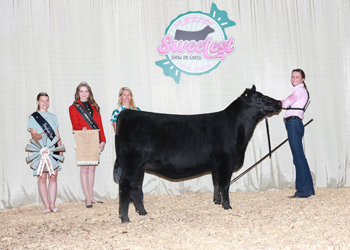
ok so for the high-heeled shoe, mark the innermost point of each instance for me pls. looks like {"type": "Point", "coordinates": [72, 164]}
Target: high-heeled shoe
{"type": "Point", "coordinates": [97, 202]}
{"type": "Point", "coordinates": [88, 206]}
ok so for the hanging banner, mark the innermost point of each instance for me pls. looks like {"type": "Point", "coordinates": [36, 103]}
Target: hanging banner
{"type": "Point", "coordinates": [195, 43]}
{"type": "Point", "coordinates": [87, 147]}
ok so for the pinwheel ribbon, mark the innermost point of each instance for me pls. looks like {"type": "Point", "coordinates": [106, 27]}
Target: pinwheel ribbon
{"type": "Point", "coordinates": [43, 156]}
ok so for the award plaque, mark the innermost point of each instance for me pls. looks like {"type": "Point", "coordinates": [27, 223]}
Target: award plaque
{"type": "Point", "coordinates": [87, 147]}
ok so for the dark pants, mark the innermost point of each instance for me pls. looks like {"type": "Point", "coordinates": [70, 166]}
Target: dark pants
{"type": "Point", "coordinates": [303, 181]}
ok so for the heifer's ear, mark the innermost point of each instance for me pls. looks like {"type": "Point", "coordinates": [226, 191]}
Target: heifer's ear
{"type": "Point", "coordinates": [253, 88]}
{"type": "Point", "coordinates": [246, 92]}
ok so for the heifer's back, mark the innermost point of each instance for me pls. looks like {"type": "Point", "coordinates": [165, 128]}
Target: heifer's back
{"type": "Point", "coordinates": [175, 146]}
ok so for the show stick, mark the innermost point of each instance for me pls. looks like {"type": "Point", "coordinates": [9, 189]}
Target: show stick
{"type": "Point", "coordinates": [239, 176]}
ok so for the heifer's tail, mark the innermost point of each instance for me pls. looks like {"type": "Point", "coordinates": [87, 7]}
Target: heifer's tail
{"type": "Point", "coordinates": [117, 172]}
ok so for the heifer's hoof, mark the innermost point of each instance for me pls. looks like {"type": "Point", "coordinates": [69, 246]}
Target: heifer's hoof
{"type": "Point", "coordinates": [226, 206]}
{"type": "Point", "coordinates": [143, 212]}
{"type": "Point", "coordinates": [218, 202]}
{"type": "Point", "coordinates": [125, 220]}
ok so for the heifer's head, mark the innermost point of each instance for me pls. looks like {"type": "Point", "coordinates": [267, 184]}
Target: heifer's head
{"type": "Point", "coordinates": [263, 103]}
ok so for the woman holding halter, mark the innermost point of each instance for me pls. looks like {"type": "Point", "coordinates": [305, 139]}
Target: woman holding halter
{"type": "Point", "coordinates": [296, 104]}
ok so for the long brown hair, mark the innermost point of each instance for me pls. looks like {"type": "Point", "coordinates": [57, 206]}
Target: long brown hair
{"type": "Point", "coordinates": [38, 98]}
{"type": "Point", "coordinates": [132, 103]}
{"type": "Point", "coordinates": [90, 98]}
{"type": "Point", "coordinates": [302, 73]}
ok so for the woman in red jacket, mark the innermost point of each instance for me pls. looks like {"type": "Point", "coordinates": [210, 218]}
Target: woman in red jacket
{"type": "Point", "coordinates": [84, 101]}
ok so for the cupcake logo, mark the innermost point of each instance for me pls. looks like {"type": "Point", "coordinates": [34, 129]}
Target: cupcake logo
{"type": "Point", "coordinates": [195, 43]}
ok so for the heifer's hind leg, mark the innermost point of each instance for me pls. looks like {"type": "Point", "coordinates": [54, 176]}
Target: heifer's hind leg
{"type": "Point", "coordinates": [137, 194]}
{"type": "Point", "coordinates": [217, 197]}
{"type": "Point", "coordinates": [124, 199]}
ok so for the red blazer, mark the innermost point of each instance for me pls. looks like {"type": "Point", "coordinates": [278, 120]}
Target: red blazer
{"type": "Point", "coordinates": [78, 121]}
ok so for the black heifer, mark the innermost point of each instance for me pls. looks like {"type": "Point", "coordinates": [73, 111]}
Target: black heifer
{"type": "Point", "coordinates": [182, 146]}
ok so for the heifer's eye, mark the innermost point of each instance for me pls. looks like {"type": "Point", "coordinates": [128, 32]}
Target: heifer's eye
{"type": "Point", "coordinates": [257, 98]}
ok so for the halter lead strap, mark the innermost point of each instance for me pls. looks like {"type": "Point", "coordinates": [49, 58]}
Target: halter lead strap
{"type": "Point", "coordinates": [267, 124]}
{"type": "Point", "coordinates": [268, 135]}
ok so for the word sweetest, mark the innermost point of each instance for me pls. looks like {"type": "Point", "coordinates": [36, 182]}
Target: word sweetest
{"type": "Point", "coordinates": [209, 49]}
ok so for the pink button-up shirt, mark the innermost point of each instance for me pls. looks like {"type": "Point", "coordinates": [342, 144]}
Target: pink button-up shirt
{"type": "Point", "coordinates": [297, 99]}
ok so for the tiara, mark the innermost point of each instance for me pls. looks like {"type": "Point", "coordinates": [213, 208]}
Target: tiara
{"type": "Point", "coordinates": [84, 83]}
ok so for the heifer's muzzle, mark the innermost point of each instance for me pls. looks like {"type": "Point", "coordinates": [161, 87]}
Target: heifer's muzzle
{"type": "Point", "coordinates": [272, 106]}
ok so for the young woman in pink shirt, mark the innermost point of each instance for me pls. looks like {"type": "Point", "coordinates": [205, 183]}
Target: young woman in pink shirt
{"type": "Point", "coordinates": [295, 105]}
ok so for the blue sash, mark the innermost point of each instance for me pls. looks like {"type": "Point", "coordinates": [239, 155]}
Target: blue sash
{"type": "Point", "coordinates": [45, 126]}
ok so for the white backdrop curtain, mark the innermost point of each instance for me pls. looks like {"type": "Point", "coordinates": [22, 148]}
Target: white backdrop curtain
{"type": "Point", "coordinates": [52, 45]}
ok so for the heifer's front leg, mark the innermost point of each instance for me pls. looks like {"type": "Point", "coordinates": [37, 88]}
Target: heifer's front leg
{"type": "Point", "coordinates": [124, 199]}
{"type": "Point", "coordinates": [224, 190]}
{"type": "Point", "coordinates": [223, 177]}
{"type": "Point", "coordinates": [217, 197]}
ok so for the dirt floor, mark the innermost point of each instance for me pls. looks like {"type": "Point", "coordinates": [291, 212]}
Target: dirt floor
{"type": "Point", "coordinates": [264, 220]}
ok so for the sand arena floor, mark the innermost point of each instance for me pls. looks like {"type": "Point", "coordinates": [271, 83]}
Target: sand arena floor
{"type": "Point", "coordinates": [264, 220]}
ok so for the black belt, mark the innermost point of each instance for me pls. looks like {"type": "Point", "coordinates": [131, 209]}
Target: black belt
{"type": "Point", "coordinates": [291, 117]}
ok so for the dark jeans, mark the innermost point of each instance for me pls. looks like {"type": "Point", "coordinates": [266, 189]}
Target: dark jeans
{"type": "Point", "coordinates": [303, 181]}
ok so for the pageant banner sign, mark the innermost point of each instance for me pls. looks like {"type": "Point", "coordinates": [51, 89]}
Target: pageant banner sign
{"type": "Point", "coordinates": [87, 147]}
{"type": "Point", "coordinates": [195, 43]}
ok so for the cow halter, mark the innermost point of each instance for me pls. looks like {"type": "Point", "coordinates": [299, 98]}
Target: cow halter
{"type": "Point", "coordinates": [262, 108]}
